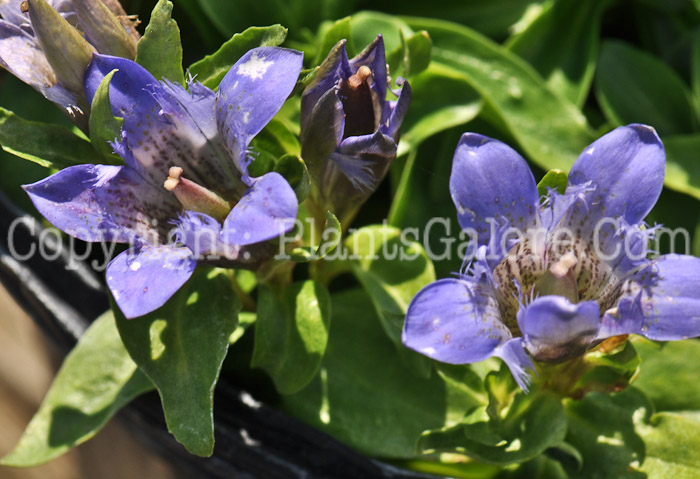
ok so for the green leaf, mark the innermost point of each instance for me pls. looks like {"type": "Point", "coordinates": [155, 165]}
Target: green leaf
{"type": "Point", "coordinates": [96, 379]}
{"type": "Point", "coordinates": [553, 179]}
{"type": "Point", "coordinates": [291, 334]}
{"type": "Point", "coordinates": [418, 50]}
{"type": "Point", "coordinates": [50, 146]}
{"type": "Point", "coordinates": [181, 347]}
{"type": "Point", "coordinates": [551, 130]}
{"type": "Point", "coordinates": [277, 140]}
{"type": "Point", "coordinates": [211, 69]}
{"type": "Point", "coordinates": [332, 33]}
{"type": "Point", "coordinates": [441, 99]}
{"type": "Point", "coordinates": [392, 267]}
{"type": "Point", "coordinates": [529, 426]}
{"type": "Point", "coordinates": [293, 169]}
{"type": "Point", "coordinates": [245, 320]}
{"type": "Point", "coordinates": [330, 237]}
{"type": "Point", "coordinates": [682, 165]}
{"type": "Point", "coordinates": [632, 86]}
{"type": "Point", "coordinates": [159, 51]}
{"type": "Point", "coordinates": [104, 126]}
{"type": "Point", "coordinates": [602, 429]}
{"type": "Point", "coordinates": [548, 42]}
{"type": "Point", "coordinates": [672, 443]}
{"type": "Point", "coordinates": [364, 396]}
{"type": "Point", "coordinates": [668, 375]}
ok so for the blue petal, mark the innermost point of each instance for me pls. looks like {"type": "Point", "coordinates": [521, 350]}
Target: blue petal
{"type": "Point", "coordinates": [100, 202]}
{"type": "Point", "coordinates": [365, 159]}
{"type": "Point", "coordinates": [142, 281]}
{"type": "Point", "coordinates": [397, 111]}
{"type": "Point", "coordinates": [554, 329]}
{"type": "Point", "coordinates": [326, 78]}
{"type": "Point", "coordinates": [267, 210]}
{"type": "Point", "coordinates": [202, 235]}
{"type": "Point", "coordinates": [661, 302]}
{"type": "Point", "coordinates": [490, 181]}
{"type": "Point", "coordinates": [251, 93]}
{"type": "Point", "coordinates": [165, 125]}
{"type": "Point", "coordinates": [625, 170]}
{"type": "Point", "coordinates": [21, 55]}
{"type": "Point", "coordinates": [517, 360]}
{"type": "Point", "coordinates": [454, 321]}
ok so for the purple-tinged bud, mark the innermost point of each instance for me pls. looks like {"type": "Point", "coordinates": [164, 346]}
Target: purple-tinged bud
{"type": "Point", "coordinates": [103, 29]}
{"type": "Point", "coordinates": [66, 50]}
{"type": "Point", "coordinates": [349, 131]}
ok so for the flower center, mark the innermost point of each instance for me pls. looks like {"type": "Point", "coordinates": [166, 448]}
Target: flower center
{"type": "Point", "coordinates": [194, 197]}
{"type": "Point", "coordinates": [358, 103]}
{"type": "Point", "coordinates": [566, 267]}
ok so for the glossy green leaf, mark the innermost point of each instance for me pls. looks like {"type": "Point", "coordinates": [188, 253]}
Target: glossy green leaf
{"type": "Point", "coordinates": [159, 51]}
{"type": "Point", "coordinates": [668, 375]}
{"type": "Point", "coordinates": [441, 99]}
{"type": "Point", "coordinates": [551, 130]}
{"type": "Point", "coordinates": [181, 348]}
{"type": "Point", "coordinates": [211, 69]}
{"type": "Point", "coordinates": [554, 180]}
{"type": "Point", "coordinates": [633, 86]}
{"type": "Point", "coordinates": [326, 244]}
{"type": "Point", "coordinates": [364, 395]}
{"type": "Point", "coordinates": [367, 25]}
{"type": "Point", "coordinates": [277, 139]}
{"type": "Point", "coordinates": [530, 425]}
{"type": "Point", "coordinates": [332, 33]}
{"type": "Point", "coordinates": [97, 378]}
{"type": "Point", "coordinates": [418, 51]}
{"type": "Point", "coordinates": [548, 42]}
{"type": "Point", "coordinates": [683, 163]}
{"type": "Point", "coordinates": [50, 146]}
{"type": "Point", "coordinates": [392, 267]}
{"type": "Point", "coordinates": [291, 334]}
{"type": "Point", "coordinates": [104, 126]}
{"type": "Point", "coordinates": [602, 427]}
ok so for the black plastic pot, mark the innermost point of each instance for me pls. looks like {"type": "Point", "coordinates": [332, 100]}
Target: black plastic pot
{"type": "Point", "coordinates": [252, 439]}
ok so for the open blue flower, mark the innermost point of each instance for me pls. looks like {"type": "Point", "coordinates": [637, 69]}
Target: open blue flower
{"type": "Point", "coordinates": [186, 164]}
{"type": "Point", "coordinates": [349, 131]}
{"type": "Point", "coordinates": [551, 281]}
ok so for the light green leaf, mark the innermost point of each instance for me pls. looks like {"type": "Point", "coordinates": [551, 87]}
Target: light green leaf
{"type": "Point", "coordinates": [441, 99]}
{"type": "Point", "coordinates": [245, 320]}
{"type": "Point", "coordinates": [392, 267]}
{"type": "Point", "coordinates": [548, 42]}
{"type": "Point", "coordinates": [553, 179]}
{"type": "Point", "coordinates": [50, 146]}
{"type": "Point", "coordinates": [159, 51]}
{"type": "Point", "coordinates": [332, 33]}
{"type": "Point", "coordinates": [672, 443]}
{"type": "Point", "coordinates": [364, 395]}
{"type": "Point", "coordinates": [529, 426]}
{"type": "Point", "coordinates": [683, 163]}
{"type": "Point", "coordinates": [291, 334]}
{"type": "Point", "coordinates": [104, 126]}
{"type": "Point", "coordinates": [97, 378]}
{"type": "Point", "coordinates": [181, 348]}
{"type": "Point", "coordinates": [632, 86]}
{"type": "Point", "coordinates": [417, 57]}
{"type": "Point", "coordinates": [211, 69]}
{"type": "Point", "coordinates": [550, 129]}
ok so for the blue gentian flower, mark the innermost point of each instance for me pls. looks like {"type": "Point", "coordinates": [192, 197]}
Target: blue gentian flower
{"type": "Point", "coordinates": [186, 163]}
{"type": "Point", "coordinates": [349, 131]}
{"type": "Point", "coordinates": [48, 44]}
{"type": "Point", "coordinates": [576, 273]}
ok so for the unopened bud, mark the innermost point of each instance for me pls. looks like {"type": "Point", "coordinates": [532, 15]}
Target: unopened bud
{"type": "Point", "coordinates": [104, 30]}
{"type": "Point", "coordinates": [66, 50]}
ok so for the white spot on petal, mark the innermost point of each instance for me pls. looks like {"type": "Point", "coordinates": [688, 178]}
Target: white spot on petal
{"type": "Point", "coordinates": [255, 67]}
{"type": "Point", "coordinates": [590, 150]}
{"type": "Point", "coordinates": [135, 266]}
{"type": "Point", "coordinates": [246, 117]}
{"type": "Point", "coordinates": [428, 350]}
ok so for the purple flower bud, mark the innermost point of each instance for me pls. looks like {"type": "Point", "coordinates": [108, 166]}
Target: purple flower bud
{"type": "Point", "coordinates": [349, 131]}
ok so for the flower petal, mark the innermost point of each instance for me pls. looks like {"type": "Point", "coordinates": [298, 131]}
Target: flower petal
{"type": "Point", "coordinates": [454, 321]}
{"type": "Point", "coordinates": [661, 302]}
{"type": "Point", "coordinates": [142, 280]}
{"type": "Point", "coordinates": [517, 360]}
{"type": "Point", "coordinates": [397, 111]}
{"type": "Point", "coordinates": [104, 203]}
{"type": "Point", "coordinates": [554, 329]}
{"type": "Point", "coordinates": [323, 133]}
{"type": "Point", "coordinates": [267, 210]}
{"type": "Point", "coordinates": [202, 235]}
{"type": "Point", "coordinates": [625, 169]}
{"type": "Point", "coordinates": [491, 182]}
{"type": "Point", "coordinates": [325, 79]}
{"type": "Point", "coordinates": [21, 55]}
{"type": "Point", "coordinates": [165, 125]}
{"type": "Point", "coordinates": [251, 93]}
